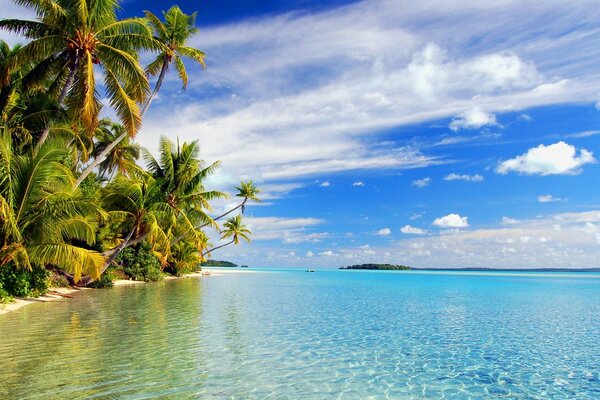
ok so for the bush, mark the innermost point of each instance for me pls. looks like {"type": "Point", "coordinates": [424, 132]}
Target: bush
{"type": "Point", "coordinates": [23, 283]}
{"type": "Point", "coordinates": [5, 297]}
{"type": "Point", "coordinates": [57, 280]}
{"type": "Point", "coordinates": [105, 281]}
{"type": "Point", "coordinates": [140, 264]}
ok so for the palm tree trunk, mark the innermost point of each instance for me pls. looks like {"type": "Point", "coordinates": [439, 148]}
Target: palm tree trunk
{"type": "Point", "coordinates": [159, 83]}
{"type": "Point", "coordinates": [111, 146]}
{"type": "Point", "coordinates": [61, 99]}
{"type": "Point", "coordinates": [217, 248]}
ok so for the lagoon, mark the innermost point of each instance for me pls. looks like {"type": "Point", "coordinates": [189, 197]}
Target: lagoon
{"type": "Point", "coordinates": [287, 334]}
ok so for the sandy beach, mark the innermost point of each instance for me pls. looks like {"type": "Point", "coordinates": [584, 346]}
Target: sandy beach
{"type": "Point", "coordinates": [56, 294]}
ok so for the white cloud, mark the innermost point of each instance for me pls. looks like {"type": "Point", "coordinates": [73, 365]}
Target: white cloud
{"type": "Point", "coordinates": [325, 184]}
{"type": "Point", "coordinates": [411, 230]}
{"type": "Point", "coordinates": [474, 118]}
{"type": "Point", "coordinates": [328, 253]}
{"type": "Point", "coordinates": [467, 178]}
{"type": "Point", "coordinates": [509, 221]}
{"type": "Point", "coordinates": [359, 183]}
{"type": "Point", "coordinates": [548, 198]}
{"type": "Point", "coordinates": [555, 159]}
{"type": "Point", "coordinates": [414, 216]}
{"type": "Point", "coordinates": [309, 254]}
{"type": "Point", "coordinates": [288, 230]}
{"type": "Point", "coordinates": [451, 221]}
{"type": "Point", "coordinates": [384, 232]}
{"type": "Point", "coordinates": [421, 183]}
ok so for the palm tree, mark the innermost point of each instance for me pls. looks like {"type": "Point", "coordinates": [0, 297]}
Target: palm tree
{"type": "Point", "coordinates": [135, 208]}
{"type": "Point", "coordinates": [173, 35]}
{"type": "Point", "coordinates": [67, 42]}
{"type": "Point", "coordinates": [43, 221]}
{"type": "Point", "coordinates": [235, 230]}
{"type": "Point", "coordinates": [181, 175]}
{"type": "Point", "coordinates": [122, 158]}
{"type": "Point", "coordinates": [247, 191]}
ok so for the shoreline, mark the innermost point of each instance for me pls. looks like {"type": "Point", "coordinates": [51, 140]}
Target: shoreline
{"type": "Point", "coordinates": [61, 293]}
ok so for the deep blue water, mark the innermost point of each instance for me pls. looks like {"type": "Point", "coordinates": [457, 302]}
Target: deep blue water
{"type": "Point", "coordinates": [330, 334]}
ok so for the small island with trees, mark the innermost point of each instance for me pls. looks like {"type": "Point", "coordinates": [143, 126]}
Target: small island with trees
{"type": "Point", "coordinates": [218, 263]}
{"type": "Point", "coordinates": [378, 267]}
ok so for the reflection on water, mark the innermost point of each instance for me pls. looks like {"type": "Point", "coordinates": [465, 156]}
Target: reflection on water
{"type": "Point", "coordinates": [324, 335]}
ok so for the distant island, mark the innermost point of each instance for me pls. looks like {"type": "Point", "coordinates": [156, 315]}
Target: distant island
{"type": "Point", "coordinates": [217, 263]}
{"type": "Point", "coordinates": [378, 267]}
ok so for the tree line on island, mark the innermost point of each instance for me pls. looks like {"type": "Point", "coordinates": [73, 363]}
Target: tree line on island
{"type": "Point", "coordinates": [378, 267]}
{"type": "Point", "coordinates": [80, 201]}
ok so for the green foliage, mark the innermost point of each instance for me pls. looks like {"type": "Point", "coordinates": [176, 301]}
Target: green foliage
{"type": "Point", "coordinates": [378, 267]}
{"type": "Point", "coordinates": [140, 264]}
{"type": "Point", "coordinates": [56, 280]}
{"type": "Point", "coordinates": [23, 283]}
{"type": "Point", "coordinates": [217, 263]}
{"type": "Point", "coordinates": [105, 281]}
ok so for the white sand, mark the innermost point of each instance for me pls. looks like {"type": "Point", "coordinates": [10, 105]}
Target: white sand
{"type": "Point", "coordinates": [53, 295]}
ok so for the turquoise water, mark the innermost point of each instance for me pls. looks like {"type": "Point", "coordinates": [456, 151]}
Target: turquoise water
{"type": "Point", "coordinates": [322, 335]}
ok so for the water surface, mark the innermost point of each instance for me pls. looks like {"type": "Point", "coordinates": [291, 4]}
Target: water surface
{"type": "Point", "coordinates": [329, 334]}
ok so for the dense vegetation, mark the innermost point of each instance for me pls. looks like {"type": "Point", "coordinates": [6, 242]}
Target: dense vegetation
{"type": "Point", "coordinates": [218, 263]}
{"type": "Point", "coordinates": [382, 267]}
{"type": "Point", "coordinates": [80, 201]}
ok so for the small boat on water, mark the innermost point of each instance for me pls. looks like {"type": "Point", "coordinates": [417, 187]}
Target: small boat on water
{"type": "Point", "coordinates": [310, 270]}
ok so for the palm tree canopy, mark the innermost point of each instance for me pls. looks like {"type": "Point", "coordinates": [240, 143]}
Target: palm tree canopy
{"type": "Point", "coordinates": [41, 216]}
{"type": "Point", "coordinates": [174, 34]}
{"type": "Point", "coordinates": [247, 190]}
{"type": "Point", "coordinates": [70, 39]}
{"type": "Point", "coordinates": [235, 229]}
{"type": "Point", "coordinates": [121, 158]}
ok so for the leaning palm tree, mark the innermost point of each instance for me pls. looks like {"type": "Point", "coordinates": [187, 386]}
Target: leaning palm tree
{"type": "Point", "coordinates": [122, 158]}
{"type": "Point", "coordinates": [235, 230]}
{"type": "Point", "coordinates": [69, 40]}
{"type": "Point", "coordinates": [247, 191]}
{"type": "Point", "coordinates": [173, 35]}
{"type": "Point", "coordinates": [43, 221]}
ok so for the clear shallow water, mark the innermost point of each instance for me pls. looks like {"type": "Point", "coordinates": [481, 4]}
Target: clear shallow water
{"type": "Point", "coordinates": [329, 334]}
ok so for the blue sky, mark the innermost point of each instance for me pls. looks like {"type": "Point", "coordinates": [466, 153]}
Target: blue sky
{"type": "Point", "coordinates": [430, 133]}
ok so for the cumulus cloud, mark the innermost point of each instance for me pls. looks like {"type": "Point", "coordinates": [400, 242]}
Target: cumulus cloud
{"type": "Point", "coordinates": [421, 183]}
{"type": "Point", "coordinates": [325, 184]}
{"type": "Point", "coordinates": [474, 118]}
{"type": "Point", "coordinates": [384, 232]}
{"type": "Point", "coordinates": [411, 230]}
{"type": "Point", "coordinates": [464, 177]}
{"type": "Point", "coordinates": [509, 221]}
{"type": "Point", "coordinates": [451, 221]}
{"type": "Point", "coordinates": [359, 183]}
{"type": "Point", "coordinates": [288, 230]}
{"type": "Point", "coordinates": [555, 159]}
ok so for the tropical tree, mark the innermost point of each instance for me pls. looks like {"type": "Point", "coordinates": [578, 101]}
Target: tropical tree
{"type": "Point", "coordinates": [235, 230]}
{"type": "Point", "coordinates": [173, 35]}
{"type": "Point", "coordinates": [43, 220]}
{"type": "Point", "coordinates": [122, 158]}
{"type": "Point", "coordinates": [69, 40]}
{"type": "Point", "coordinates": [247, 191]}
{"type": "Point", "coordinates": [137, 214]}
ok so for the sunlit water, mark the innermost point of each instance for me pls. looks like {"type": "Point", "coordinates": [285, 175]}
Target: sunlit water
{"type": "Point", "coordinates": [322, 335]}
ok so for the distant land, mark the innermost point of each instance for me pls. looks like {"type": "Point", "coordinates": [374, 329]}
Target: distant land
{"type": "Point", "coordinates": [391, 267]}
{"type": "Point", "coordinates": [595, 269]}
{"type": "Point", "coordinates": [217, 263]}
{"type": "Point", "coordinates": [378, 267]}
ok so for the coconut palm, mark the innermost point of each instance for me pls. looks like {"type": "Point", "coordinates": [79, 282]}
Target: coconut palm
{"type": "Point", "coordinates": [235, 230]}
{"type": "Point", "coordinates": [247, 191]}
{"type": "Point", "coordinates": [135, 208]}
{"type": "Point", "coordinates": [43, 221]}
{"type": "Point", "coordinates": [69, 40]}
{"type": "Point", "coordinates": [181, 174]}
{"type": "Point", "coordinates": [173, 35]}
{"type": "Point", "coordinates": [122, 157]}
